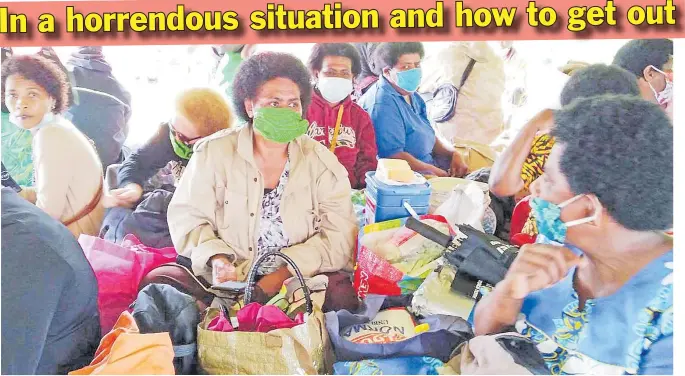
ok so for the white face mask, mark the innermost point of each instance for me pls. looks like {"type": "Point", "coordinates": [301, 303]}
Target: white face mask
{"type": "Point", "coordinates": [48, 118]}
{"type": "Point", "coordinates": [665, 96]}
{"type": "Point", "coordinates": [334, 89]}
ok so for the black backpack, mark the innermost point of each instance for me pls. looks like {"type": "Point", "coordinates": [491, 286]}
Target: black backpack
{"type": "Point", "coordinates": [162, 308]}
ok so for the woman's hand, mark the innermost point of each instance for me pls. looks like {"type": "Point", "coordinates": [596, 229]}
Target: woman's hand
{"type": "Point", "coordinates": [458, 167]}
{"type": "Point", "coordinates": [439, 172]}
{"type": "Point", "coordinates": [222, 269]}
{"type": "Point", "coordinates": [271, 284]}
{"type": "Point", "coordinates": [538, 266]}
{"type": "Point", "coordinates": [125, 197]}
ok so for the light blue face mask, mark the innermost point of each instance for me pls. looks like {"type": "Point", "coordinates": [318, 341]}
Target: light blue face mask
{"type": "Point", "coordinates": [409, 80]}
{"type": "Point", "coordinates": [548, 218]}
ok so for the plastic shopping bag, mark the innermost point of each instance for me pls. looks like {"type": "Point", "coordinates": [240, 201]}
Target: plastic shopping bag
{"type": "Point", "coordinates": [375, 274]}
{"type": "Point", "coordinates": [118, 270]}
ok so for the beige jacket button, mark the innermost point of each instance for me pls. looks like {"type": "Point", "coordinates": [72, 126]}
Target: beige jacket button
{"type": "Point", "coordinates": [251, 214]}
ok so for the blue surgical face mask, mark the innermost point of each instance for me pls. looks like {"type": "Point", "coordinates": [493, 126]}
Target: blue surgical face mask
{"type": "Point", "coordinates": [548, 218]}
{"type": "Point", "coordinates": [409, 80]}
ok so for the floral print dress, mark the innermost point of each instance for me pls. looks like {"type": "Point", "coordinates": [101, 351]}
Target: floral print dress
{"type": "Point", "coordinates": [272, 236]}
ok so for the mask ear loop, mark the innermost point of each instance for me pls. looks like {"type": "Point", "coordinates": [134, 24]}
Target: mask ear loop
{"type": "Point", "coordinates": [582, 221]}
{"type": "Point", "coordinates": [569, 201]}
{"type": "Point", "coordinates": [660, 71]}
{"type": "Point", "coordinates": [656, 93]}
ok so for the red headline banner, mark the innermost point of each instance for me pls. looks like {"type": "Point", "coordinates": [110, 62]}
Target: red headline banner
{"type": "Point", "coordinates": [137, 22]}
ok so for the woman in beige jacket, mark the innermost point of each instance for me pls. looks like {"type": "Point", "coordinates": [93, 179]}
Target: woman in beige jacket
{"type": "Point", "coordinates": [68, 172]}
{"type": "Point", "coordinates": [265, 187]}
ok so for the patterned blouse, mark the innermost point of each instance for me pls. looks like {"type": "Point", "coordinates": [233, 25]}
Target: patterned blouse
{"type": "Point", "coordinates": [272, 236]}
{"type": "Point", "coordinates": [534, 165]}
{"type": "Point", "coordinates": [629, 332]}
{"type": "Point", "coordinates": [532, 169]}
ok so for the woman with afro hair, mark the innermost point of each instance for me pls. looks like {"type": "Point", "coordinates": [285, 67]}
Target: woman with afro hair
{"type": "Point", "coordinates": [267, 187]}
{"type": "Point", "coordinates": [606, 271]}
{"type": "Point", "coordinates": [67, 171]}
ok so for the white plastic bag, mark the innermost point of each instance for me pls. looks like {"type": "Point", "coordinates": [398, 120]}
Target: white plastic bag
{"type": "Point", "coordinates": [465, 206]}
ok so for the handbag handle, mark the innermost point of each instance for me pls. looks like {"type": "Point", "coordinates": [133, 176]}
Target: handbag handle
{"type": "Point", "coordinates": [253, 273]}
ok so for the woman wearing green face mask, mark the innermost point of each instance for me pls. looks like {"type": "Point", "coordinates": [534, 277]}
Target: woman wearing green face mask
{"type": "Point", "coordinates": [266, 187]}
{"type": "Point", "coordinates": [399, 115]}
{"type": "Point", "coordinates": [198, 113]}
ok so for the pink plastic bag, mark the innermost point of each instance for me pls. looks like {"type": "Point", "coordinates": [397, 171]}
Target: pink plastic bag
{"type": "Point", "coordinates": [118, 270]}
{"type": "Point", "coordinates": [255, 317]}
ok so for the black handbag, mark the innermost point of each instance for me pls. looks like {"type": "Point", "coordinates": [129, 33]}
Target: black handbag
{"type": "Point", "coordinates": [444, 99]}
{"type": "Point", "coordinates": [480, 259]}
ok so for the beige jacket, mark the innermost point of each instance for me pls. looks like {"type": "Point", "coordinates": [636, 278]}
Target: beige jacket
{"type": "Point", "coordinates": [216, 207]}
{"type": "Point", "coordinates": [479, 115]}
{"type": "Point", "coordinates": [68, 173]}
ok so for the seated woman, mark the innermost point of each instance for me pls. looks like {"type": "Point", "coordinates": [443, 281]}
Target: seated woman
{"type": "Point", "coordinates": [68, 173]}
{"type": "Point", "coordinates": [332, 114]}
{"type": "Point", "coordinates": [198, 113]}
{"type": "Point", "coordinates": [523, 161]}
{"type": "Point", "coordinates": [607, 195]}
{"type": "Point", "coordinates": [399, 117]}
{"type": "Point", "coordinates": [267, 187]}
{"type": "Point", "coordinates": [15, 143]}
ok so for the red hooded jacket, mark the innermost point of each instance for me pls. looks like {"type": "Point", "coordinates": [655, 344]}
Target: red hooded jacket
{"type": "Point", "coordinates": [356, 147]}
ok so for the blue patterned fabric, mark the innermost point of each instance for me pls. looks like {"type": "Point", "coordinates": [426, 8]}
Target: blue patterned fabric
{"type": "Point", "coordinates": [628, 332]}
{"type": "Point", "coordinates": [393, 366]}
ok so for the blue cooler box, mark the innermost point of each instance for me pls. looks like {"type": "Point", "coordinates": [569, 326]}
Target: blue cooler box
{"type": "Point", "coordinates": [386, 202]}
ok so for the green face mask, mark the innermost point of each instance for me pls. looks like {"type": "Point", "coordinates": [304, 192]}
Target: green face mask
{"type": "Point", "coordinates": [181, 149]}
{"type": "Point", "coordinates": [280, 125]}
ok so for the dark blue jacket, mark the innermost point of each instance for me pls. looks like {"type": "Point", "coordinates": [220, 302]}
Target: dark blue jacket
{"type": "Point", "coordinates": [102, 106]}
{"type": "Point", "coordinates": [145, 162]}
{"type": "Point", "coordinates": [50, 320]}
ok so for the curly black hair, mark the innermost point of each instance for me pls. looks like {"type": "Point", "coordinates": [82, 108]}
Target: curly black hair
{"type": "Point", "coordinates": [43, 72]}
{"type": "Point", "coordinates": [598, 79]}
{"type": "Point", "coordinates": [638, 54]}
{"type": "Point", "coordinates": [620, 148]}
{"type": "Point", "coordinates": [266, 66]}
{"type": "Point", "coordinates": [388, 54]}
{"type": "Point", "coordinates": [321, 50]}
